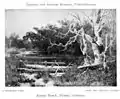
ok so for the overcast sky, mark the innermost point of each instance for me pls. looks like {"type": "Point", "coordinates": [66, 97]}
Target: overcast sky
{"type": "Point", "coordinates": [22, 21]}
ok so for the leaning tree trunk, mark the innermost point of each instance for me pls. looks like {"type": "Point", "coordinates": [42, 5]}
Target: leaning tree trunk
{"type": "Point", "coordinates": [97, 43]}
{"type": "Point", "coordinates": [84, 51]}
{"type": "Point", "coordinates": [97, 56]}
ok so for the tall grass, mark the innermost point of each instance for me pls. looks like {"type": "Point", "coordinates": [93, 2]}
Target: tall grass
{"type": "Point", "coordinates": [11, 74]}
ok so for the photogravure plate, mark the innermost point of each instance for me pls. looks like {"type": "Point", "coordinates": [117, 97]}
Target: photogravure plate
{"type": "Point", "coordinates": [54, 7]}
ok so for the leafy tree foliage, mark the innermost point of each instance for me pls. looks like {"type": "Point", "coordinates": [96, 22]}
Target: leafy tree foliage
{"type": "Point", "coordinates": [54, 39]}
{"type": "Point", "coordinates": [14, 41]}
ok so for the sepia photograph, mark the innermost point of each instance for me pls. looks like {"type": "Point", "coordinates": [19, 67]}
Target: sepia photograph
{"type": "Point", "coordinates": [60, 47]}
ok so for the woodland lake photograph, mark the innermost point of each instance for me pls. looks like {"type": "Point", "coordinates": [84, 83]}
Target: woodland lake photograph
{"type": "Point", "coordinates": [60, 47]}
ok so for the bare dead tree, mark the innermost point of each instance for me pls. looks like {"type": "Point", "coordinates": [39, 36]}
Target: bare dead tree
{"type": "Point", "coordinates": [98, 46]}
{"type": "Point", "coordinates": [98, 22]}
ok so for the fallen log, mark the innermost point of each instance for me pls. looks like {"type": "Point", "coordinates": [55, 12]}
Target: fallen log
{"type": "Point", "coordinates": [45, 67]}
{"type": "Point", "coordinates": [54, 68]}
{"type": "Point", "coordinates": [93, 65]}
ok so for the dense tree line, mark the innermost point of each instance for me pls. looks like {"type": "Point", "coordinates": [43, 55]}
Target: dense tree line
{"type": "Point", "coordinates": [15, 41]}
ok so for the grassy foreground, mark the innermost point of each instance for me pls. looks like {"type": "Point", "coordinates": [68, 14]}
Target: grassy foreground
{"type": "Point", "coordinates": [92, 76]}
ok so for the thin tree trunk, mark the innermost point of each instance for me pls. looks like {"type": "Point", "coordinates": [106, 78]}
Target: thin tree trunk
{"type": "Point", "coordinates": [106, 47]}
